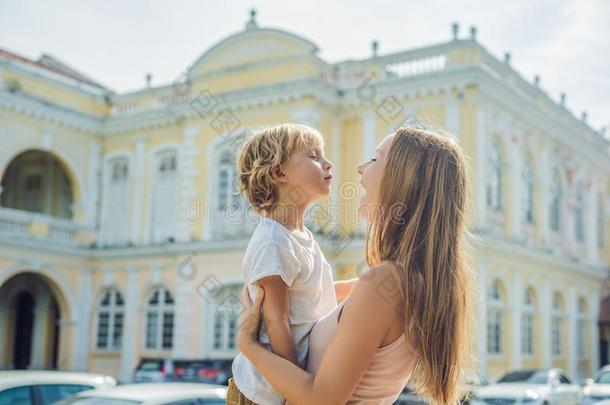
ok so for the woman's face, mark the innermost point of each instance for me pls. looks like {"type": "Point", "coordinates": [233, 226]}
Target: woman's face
{"type": "Point", "coordinates": [371, 173]}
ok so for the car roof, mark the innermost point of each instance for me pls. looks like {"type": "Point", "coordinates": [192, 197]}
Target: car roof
{"type": "Point", "coordinates": [159, 391]}
{"type": "Point", "coordinates": [16, 378]}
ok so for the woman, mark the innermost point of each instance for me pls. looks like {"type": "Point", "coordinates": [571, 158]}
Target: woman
{"type": "Point", "coordinates": [409, 317]}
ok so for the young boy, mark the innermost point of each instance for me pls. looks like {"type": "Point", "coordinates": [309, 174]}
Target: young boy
{"type": "Point", "coordinates": [282, 170]}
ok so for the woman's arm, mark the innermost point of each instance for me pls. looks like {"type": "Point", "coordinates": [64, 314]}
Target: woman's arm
{"type": "Point", "coordinates": [367, 317]}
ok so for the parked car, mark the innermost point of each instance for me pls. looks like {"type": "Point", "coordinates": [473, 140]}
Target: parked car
{"type": "Point", "coordinates": [533, 387]}
{"type": "Point", "coordinates": [154, 370]}
{"type": "Point", "coordinates": [29, 387]}
{"type": "Point", "coordinates": [597, 389]}
{"type": "Point", "coordinates": [167, 393]}
{"type": "Point", "coordinates": [473, 383]}
{"type": "Point", "coordinates": [204, 371]}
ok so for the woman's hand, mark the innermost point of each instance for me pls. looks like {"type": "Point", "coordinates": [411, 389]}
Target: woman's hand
{"type": "Point", "coordinates": [249, 320]}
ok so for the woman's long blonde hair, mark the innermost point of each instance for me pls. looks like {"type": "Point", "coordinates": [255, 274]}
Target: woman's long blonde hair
{"type": "Point", "coordinates": [420, 226]}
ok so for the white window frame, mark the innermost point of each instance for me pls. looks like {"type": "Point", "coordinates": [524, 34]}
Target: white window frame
{"type": "Point", "coordinates": [110, 236]}
{"type": "Point", "coordinates": [495, 320]}
{"type": "Point", "coordinates": [557, 320]}
{"type": "Point", "coordinates": [160, 309]}
{"type": "Point", "coordinates": [581, 329]}
{"type": "Point", "coordinates": [225, 311]}
{"type": "Point", "coordinates": [527, 179]}
{"type": "Point", "coordinates": [528, 333]}
{"type": "Point", "coordinates": [164, 229]}
{"type": "Point", "coordinates": [115, 310]}
{"type": "Point", "coordinates": [579, 215]}
{"type": "Point", "coordinates": [556, 202]}
{"type": "Point", "coordinates": [494, 184]}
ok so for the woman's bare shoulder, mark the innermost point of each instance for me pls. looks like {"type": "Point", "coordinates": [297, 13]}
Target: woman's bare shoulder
{"type": "Point", "coordinates": [377, 291]}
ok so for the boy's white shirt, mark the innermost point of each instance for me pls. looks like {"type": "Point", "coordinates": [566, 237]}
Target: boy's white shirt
{"type": "Point", "coordinates": [274, 250]}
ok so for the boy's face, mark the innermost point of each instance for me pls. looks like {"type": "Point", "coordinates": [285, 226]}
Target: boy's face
{"type": "Point", "coordinates": [308, 171]}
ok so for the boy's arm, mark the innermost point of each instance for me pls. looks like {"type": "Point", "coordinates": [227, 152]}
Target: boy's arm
{"type": "Point", "coordinates": [276, 310]}
{"type": "Point", "coordinates": [343, 288]}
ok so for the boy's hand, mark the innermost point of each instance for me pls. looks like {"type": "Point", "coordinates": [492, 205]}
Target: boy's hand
{"type": "Point", "coordinates": [276, 312]}
{"type": "Point", "coordinates": [343, 288]}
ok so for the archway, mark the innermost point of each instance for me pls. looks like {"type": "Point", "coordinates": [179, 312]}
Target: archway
{"type": "Point", "coordinates": [38, 181]}
{"type": "Point", "coordinates": [29, 323]}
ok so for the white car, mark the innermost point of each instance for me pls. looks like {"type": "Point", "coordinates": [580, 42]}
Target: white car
{"type": "Point", "coordinates": [597, 388]}
{"type": "Point", "coordinates": [29, 387]}
{"type": "Point", "coordinates": [532, 387]}
{"type": "Point", "coordinates": [168, 393]}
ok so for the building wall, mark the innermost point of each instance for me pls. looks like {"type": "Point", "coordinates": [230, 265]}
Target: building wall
{"type": "Point", "coordinates": [354, 108]}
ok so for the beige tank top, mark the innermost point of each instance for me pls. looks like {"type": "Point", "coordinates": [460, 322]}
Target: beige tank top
{"type": "Point", "coordinates": [386, 375]}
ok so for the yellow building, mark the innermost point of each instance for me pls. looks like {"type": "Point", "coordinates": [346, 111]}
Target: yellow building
{"type": "Point", "coordinates": [121, 238]}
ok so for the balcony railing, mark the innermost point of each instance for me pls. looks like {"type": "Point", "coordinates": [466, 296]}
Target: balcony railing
{"type": "Point", "coordinates": [31, 225]}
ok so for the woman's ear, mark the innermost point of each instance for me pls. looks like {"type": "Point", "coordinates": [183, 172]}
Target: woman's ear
{"type": "Point", "coordinates": [277, 174]}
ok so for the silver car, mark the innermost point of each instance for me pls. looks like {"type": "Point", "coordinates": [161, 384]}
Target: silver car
{"type": "Point", "coordinates": [597, 388]}
{"type": "Point", "coordinates": [532, 387]}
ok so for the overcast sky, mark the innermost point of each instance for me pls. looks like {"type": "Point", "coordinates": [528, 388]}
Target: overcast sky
{"type": "Point", "coordinates": [116, 42]}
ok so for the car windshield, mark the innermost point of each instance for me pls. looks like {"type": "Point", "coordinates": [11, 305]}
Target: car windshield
{"type": "Point", "coordinates": [603, 378]}
{"type": "Point", "coordinates": [151, 365]}
{"type": "Point", "coordinates": [528, 377]}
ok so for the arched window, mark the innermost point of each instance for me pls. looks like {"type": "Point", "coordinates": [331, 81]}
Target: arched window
{"type": "Point", "coordinates": [581, 327]}
{"type": "Point", "coordinates": [556, 202]}
{"type": "Point", "coordinates": [579, 215]}
{"type": "Point", "coordinates": [556, 325]}
{"type": "Point", "coordinates": [116, 202]}
{"type": "Point", "coordinates": [110, 321]}
{"type": "Point", "coordinates": [527, 179]}
{"type": "Point", "coordinates": [160, 320]}
{"type": "Point", "coordinates": [495, 318]}
{"type": "Point", "coordinates": [527, 327]}
{"type": "Point", "coordinates": [227, 307]}
{"type": "Point", "coordinates": [165, 196]}
{"type": "Point", "coordinates": [228, 197]}
{"type": "Point", "coordinates": [494, 183]}
{"type": "Point", "coordinates": [231, 216]}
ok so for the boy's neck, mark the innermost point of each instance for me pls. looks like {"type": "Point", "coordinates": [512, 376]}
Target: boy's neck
{"type": "Point", "coordinates": [289, 215]}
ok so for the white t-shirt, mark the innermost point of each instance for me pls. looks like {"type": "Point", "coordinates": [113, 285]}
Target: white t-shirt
{"type": "Point", "coordinates": [298, 260]}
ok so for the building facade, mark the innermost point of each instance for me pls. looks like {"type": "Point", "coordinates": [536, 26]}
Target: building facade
{"type": "Point", "coordinates": [121, 235]}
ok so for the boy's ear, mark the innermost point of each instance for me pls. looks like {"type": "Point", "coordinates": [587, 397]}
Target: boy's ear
{"type": "Point", "coordinates": [277, 174]}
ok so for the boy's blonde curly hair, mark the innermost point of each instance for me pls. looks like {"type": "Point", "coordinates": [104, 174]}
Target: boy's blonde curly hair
{"type": "Point", "coordinates": [264, 150]}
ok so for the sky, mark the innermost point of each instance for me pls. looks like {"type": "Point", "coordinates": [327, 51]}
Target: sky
{"type": "Point", "coordinates": [116, 42]}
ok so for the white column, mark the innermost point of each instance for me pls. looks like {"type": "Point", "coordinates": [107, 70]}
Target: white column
{"type": "Point", "coordinates": [94, 184]}
{"type": "Point", "coordinates": [129, 350]}
{"type": "Point", "coordinates": [572, 312]}
{"type": "Point", "coordinates": [187, 165]}
{"type": "Point", "coordinates": [136, 202]}
{"type": "Point", "coordinates": [544, 340]}
{"type": "Point", "coordinates": [452, 117]}
{"type": "Point", "coordinates": [515, 192]}
{"type": "Point", "coordinates": [481, 167]}
{"type": "Point", "coordinates": [336, 158]}
{"type": "Point", "coordinates": [594, 302]}
{"type": "Point", "coordinates": [482, 320]}
{"type": "Point", "coordinates": [543, 213]}
{"type": "Point", "coordinates": [368, 149]}
{"type": "Point", "coordinates": [182, 314]}
{"type": "Point", "coordinates": [81, 348]}
{"type": "Point", "coordinates": [591, 224]}
{"type": "Point", "coordinates": [516, 294]}
{"type": "Point", "coordinates": [368, 135]}
{"type": "Point", "coordinates": [40, 338]}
